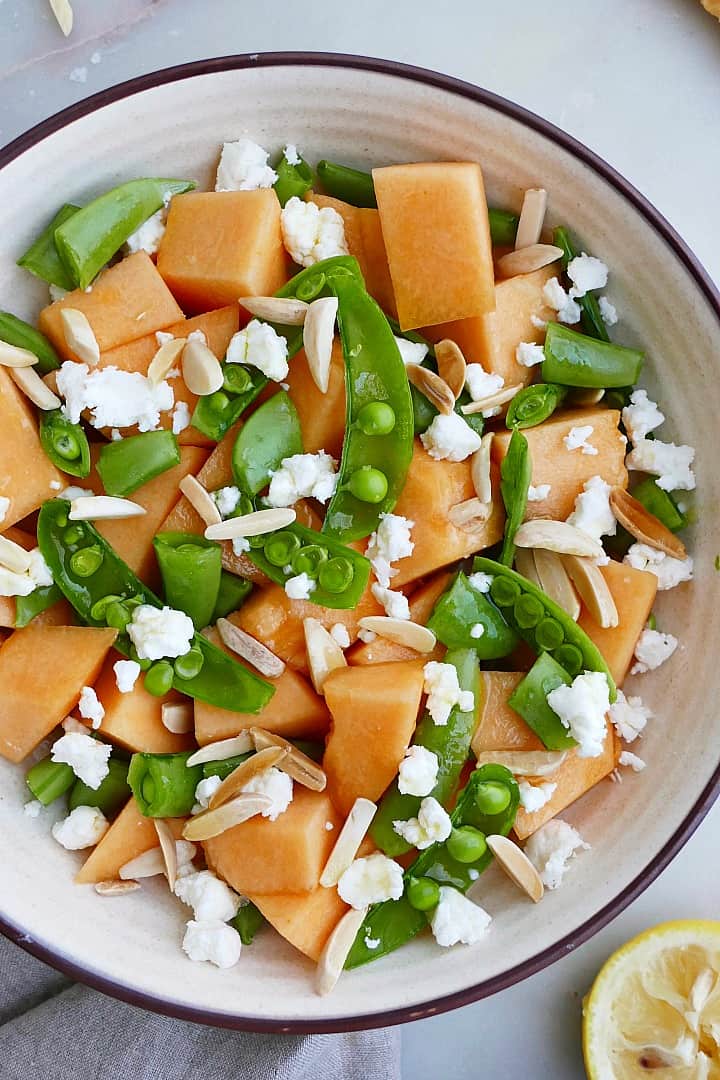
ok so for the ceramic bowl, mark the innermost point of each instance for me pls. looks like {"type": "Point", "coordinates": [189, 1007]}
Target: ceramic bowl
{"type": "Point", "coordinates": [369, 112]}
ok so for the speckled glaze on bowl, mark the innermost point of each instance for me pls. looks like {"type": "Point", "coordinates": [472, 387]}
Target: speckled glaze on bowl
{"type": "Point", "coordinates": [367, 112]}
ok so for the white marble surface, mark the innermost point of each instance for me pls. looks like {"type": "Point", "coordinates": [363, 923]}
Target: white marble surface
{"type": "Point", "coordinates": [638, 81]}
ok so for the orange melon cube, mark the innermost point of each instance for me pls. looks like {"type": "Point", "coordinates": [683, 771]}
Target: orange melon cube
{"type": "Point", "coordinates": [500, 727]}
{"type": "Point", "coordinates": [130, 835]}
{"type": "Point", "coordinates": [134, 720]}
{"type": "Point", "coordinates": [322, 416]}
{"type": "Point", "coordinates": [421, 603]}
{"type": "Point", "coordinates": [435, 226]}
{"type": "Point", "coordinates": [305, 920]}
{"type": "Point", "coordinates": [36, 696]}
{"type": "Point", "coordinates": [26, 474]}
{"type": "Point", "coordinates": [634, 594]}
{"type": "Point", "coordinates": [221, 245]}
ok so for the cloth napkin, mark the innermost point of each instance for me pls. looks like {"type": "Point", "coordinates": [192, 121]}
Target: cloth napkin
{"type": "Point", "coordinates": [53, 1029]}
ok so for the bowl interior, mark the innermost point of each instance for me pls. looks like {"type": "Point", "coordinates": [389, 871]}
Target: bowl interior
{"type": "Point", "coordinates": [131, 945]}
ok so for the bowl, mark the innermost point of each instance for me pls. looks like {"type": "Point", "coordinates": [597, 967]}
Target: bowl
{"type": "Point", "coordinates": [367, 112]}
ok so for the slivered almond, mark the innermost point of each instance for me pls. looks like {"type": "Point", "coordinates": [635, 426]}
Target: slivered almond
{"type": "Point", "coordinates": [532, 218]}
{"type": "Point", "coordinates": [80, 336]}
{"type": "Point", "coordinates": [586, 397]}
{"type": "Point", "coordinates": [214, 822]}
{"type": "Point", "coordinates": [64, 14]}
{"type": "Point", "coordinates": [262, 521]}
{"type": "Point", "coordinates": [593, 589]}
{"type": "Point", "coordinates": [165, 359]}
{"type": "Point", "coordinates": [554, 580]}
{"type": "Point", "coordinates": [177, 716]}
{"type": "Point", "coordinates": [349, 840]}
{"type": "Point", "coordinates": [492, 401]}
{"type": "Point", "coordinates": [201, 369]}
{"type": "Point", "coordinates": [524, 762]}
{"type": "Point", "coordinates": [337, 948]}
{"type": "Point", "coordinates": [296, 764]}
{"type": "Point", "coordinates": [452, 365]}
{"type": "Point", "coordinates": [557, 536]}
{"type": "Point", "coordinates": [525, 565]}
{"type": "Point", "coordinates": [103, 508]}
{"type": "Point", "coordinates": [34, 388]}
{"type": "Point", "coordinates": [14, 557]}
{"type": "Point", "coordinates": [167, 847]}
{"type": "Point", "coordinates": [470, 515]}
{"type": "Point", "coordinates": [318, 333]}
{"type": "Point", "coordinates": [234, 783]}
{"type": "Point", "coordinates": [513, 860]}
{"type": "Point", "coordinates": [480, 470]}
{"type": "Point", "coordinates": [13, 357]}
{"type": "Point", "coordinates": [151, 863]}
{"type": "Point", "coordinates": [528, 259]}
{"type": "Point", "coordinates": [401, 631]}
{"type": "Point", "coordinates": [250, 649]}
{"type": "Point", "coordinates": [323, 652]}
{"type": "Point", "coordinates": [200, 500]}
{"type": "Point", "coordinates": [643, 525]}
{"type": "Point", "coordinates": [431, 386]}
{"type": "Point", "coordinates": [283, 310]}
{"type": "Point", "coordinates": [223, 749]}
{"type": "Point", "coordinates": [116, 888]}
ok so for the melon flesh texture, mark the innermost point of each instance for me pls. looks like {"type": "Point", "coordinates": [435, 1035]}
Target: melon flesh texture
{"type": "Point", "coordinates": [127, 301]}
{"type": "Point", "coordinates": [26, 474]}
{"type": "Point", "coordinates": [437, 236]}
{"type": "Point", "coordinates": [42, 671]}
{"type": "Point", "coordinates": [499, 726]}
{"type": "Point", "coordinates": [421, 603]}
{"type": "Point", "coordinates": [134, 720]}
{"type": "Point", "coordinates": [221, 245]}
{"type": "Point", "coordinates": [634, 594]}
{"type": "Point", "coordinates": [567, 471]}
{"type": "Point", "coordinates": [374, 712]}
{"type": "Point", "coordinates": [322, 416]}
{"type": "Point", "coordinates": [282, 856]}
{"type": "Point", "coordinates": [130, 835]}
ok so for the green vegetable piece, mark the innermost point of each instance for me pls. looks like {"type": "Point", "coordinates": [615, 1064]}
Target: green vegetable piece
{"type": "Point", "coordinates": [127, 464]}
{"type": "Point", "coordinates": [249, 918]}
{"type": "Point", "coordinates": [42, 258]}
{"type": "Point", "coordinates": [660, 503]}
{"type": "Point", "coordinates": [111, 796]}
{"type": "Point", "coordinates": [492, 797]}
{"type": "Point", "coordinates": [309, 559]}
{"type": "Point", "coordinates": [280, 547]}
{"type": "Point", "coordinates": [89, 239]}
{"type": "Point", "coordinates": [335, 575]}
{"type": "Point", "coordinates": [515, 477]}
{"type": "Point", "coordinates": [49, 779]}
{"type": "Point", "coordinates": [24, 336]}
{"type": "Point", "coordinates": [159, 678]}
{"type": "Point", "coordinates": [376, 418]}
{"type": "Point", "coordinates": [236, 380]}
{"type": "Point", "coordinates": [368, 484]}
{"type": "Point", "coordinates": [652, 621]}
{"type": "Point", "coordinates": [40, 599]}
{"type": "Point", "coordinates": [461, 608]}
{"type": "Point", "coordinates": [528, 612]}
{"type": "Point", "coordinates": [189, 664]}
{"type": "Point", "coordinates": [163, 784]}
{"type": "Point", "coordinates": [222, 681]}
{"type": "Point", "coordinates": [549, 634]}
{"type": "Point", "coordinates": [351, 185]}
{"type": "Point", "coordinates": [190, 567]}
{"type": "Point", "coordinates": [115, 614]}
{"type": "Point", "coordinates": [574, 359]}
{"type": "Point", "coordinates": [466, 844]}
{"type": "Point", "coordinates": [570, 658]}
{"type": "Point", "coordinates": [534, 405]}
{"type": "Point", "coordinates": [225, 767]}
{"type": "Point", "coordinates": [232, 594]}
{"type": "Point", "coordinates": [503, 227]}
{"type": "Point", "coordinates": [592, 321]}
{"type": "Point", "coordinates": [269, 435]}
{"type": "Point", "coordinates": [529, 700]}
{"type": "Point", "coordinates": [422, 893]}
{"type": "Point", "coordinates": [64, 443]}
{"type": "Point", "coordinates": [292, 180]}
{"type": "Point", "coordinates": [86, 561]}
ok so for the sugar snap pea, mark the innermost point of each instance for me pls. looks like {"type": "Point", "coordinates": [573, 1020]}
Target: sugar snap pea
{"type": "Point", "coordinates": [503, 227]}
{"type": "Point", "coordinates": [17, 332]}
{"type": "Point", "coordinates": [225, 767]}
{"type": "Point", "coordinates": [49, 779]}
{"type": "Point", "coordinates": [574, 359]}
{"type": "Point", "coordinates": [529, 700]}
{"type": "Point", "coordinates": [459, 610]}
{"type": "Point", "coordinates": [163, 784]}
{"type": "Point", "coordinates": [64, 443]}
{"type": "Point", "coordinates": [515, 477]}
{"type": "Point", "coordinates": [660, 503]}
{"type": "Point", "coordinates": [353, 186]}
{"type": "Point", "coordinates": [126, 464]}
{"type": "Point", "coordinates": [534, 404]}
{"type": "Point", "coordinates": [591, 318]}
{"type": "Point", "coordinates": [248, 921]}
{"type": "Point", "coordinates": [292, 179]}
{"type": "Point", "coordinates": [111, 796]}
{"type": "Point", "coordinates": [269, 435]}
{"type": "Point", "coordinates": [42, 258]}
{"type": "Point", "coordinates": [232, 594]}
{"type": "Point", "coordinates": [39, 600]}
{"type": "Point", "coordinates": [190, 567]}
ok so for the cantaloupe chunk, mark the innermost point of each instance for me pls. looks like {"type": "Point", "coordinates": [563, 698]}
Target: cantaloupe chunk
{"type": "Point", "coordinates": [432, 488]}
{"type": "Point", "coordinates": [126, 302]}
{"type": "Point", "coordinates": [134, 720]}
{"type": "Point", "coordinates": [282, 856]}
{"type": "Point", "coordinates": [500, 727]}
{"type": "Point", "coordinates": [26, 474]}
{"type": "Point", "coordinates": [129, 836]}
{"type": "Point", "coordinates": [306, 920]}
{"type": "Point", "coordinates": [42, 671]}
{"type": "Point", "coordinates": [322, 416]}
{"type": "Point", "coordinates": [221, 245]}
{"type": "Point", "coordinates": [566, 471]}
{"type": "Point", "coordinates": [374, 711]}
{"type": "Point", "coordinates": [437, 236]}
{"type": "Point", "coordinates": [421, 603]}
{"type": "Point", "coordinates": [634, 594]}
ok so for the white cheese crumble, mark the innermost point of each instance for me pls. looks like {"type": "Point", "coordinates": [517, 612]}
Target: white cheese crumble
{"type": "Point", "coordinates": [632, 761]}
{"type": "Point", "coordinates": [477, 630]}
{"type": "Point", "coordinates": [411, 352]}
{"type": "Point", "coordinates": [90, 707]}
{"type": "Point", "coordinates": [5, 506]}
{"type": "Point", "coordinates": [671, 464]}
{"type": "Point", "coordinates": [214, 941]}
{"type": "Point", "coordinates": [340, 635]}
{"type": "Point", "coordinates": [329, 826]}
{"type": "Point", "coordinates": [593, 514]}
{"type": "Point", "coordinates": [449, 438]}
{"type": "Point", "coordinates": [208, 896]}
{"type": "Point", "coordinates": [366, 636]}
{"type": "Point", "coordinates": [539, 492]}
{"type": "Point", "coordinates": [568, 310]}
{"type": "Point", "coordinates": [538, 323]}
{"type": "Point", "coordinates": [582, 707]}
{"type": "Point", "coordinates": [278, 787]}
{"type": "Point", "coordinates": [481, 383]}
{"type": "Point", "coordinates": [551, 848]}
{"type": "Point", "coordinates": [395, 603]}
{"type": "Point", "coordinates": [372, 943]}
{"type": "Point", "coordinates": [204, 793]}
{"type": "Point", "coordinates": [457, 920]}
{"type": "Point", "coordinates": [577, 439]}
{"type": "Point", "coordinates": [529, 354]}
{"type": "Point", "coordinates": [84, 827]}
{"type": "Point", "coordinates": [417, 774]}
{"type": "Point", "coordinates": [629, 716]}
{"type": "Point", "coordinates": [303, 476]}
{"type": "Point", "coordinates": [149, 235]}
{"type": "Point", "coordinates": [653, 648]}
{"type": "Point", "coordinates": [260, 346]}
{"type": "Point", "coordinates": [180, 417]}
{"type": "Point", "coordinates": [389, 543]}
{"type": "Point", "coordinates": [114, 398]}
{"type": "Point", "coordinates": [608, 311]}
{"type": "Point", "coordinates": [240, 545]}
{"type": "Point", "coordinates": [431, 826]}
{"type": "Point", "coordinates": [226, 500]}
{"type": "Point", "coordinates": [160, 632]}
{"type": "Point", "coordinates": [310, 233]}
{"type": "Point", "coordinates": [291, 155]}
{"type": "Point", "coordinates": [36, 576]}
{"type": "Point", "coordinates": [75, 492]}
{"type": "Point", "coordinates": [244, 167]}
{"type": "Point", "coordinates": [127, 673]}
{"type": "Point", "coordinates": [33, 808]}
{"type": "Point", "coordinates": [443, 690]}
{"type": "Point", "coordinates": [534, 796]}
{"type": "Point", "coordinates": [87, 757]}
{"type": "Point", "coordinates": [586, 273]}
{"type": "Point", "coordinates": [299, 587]}
{"type": "Point", "coordinates": [641, 416]}
{"type": "Point", "coordinates": [371, 881]}
{"type": "Point", "coordinates": [669, 571]}
{"type": "Point", "coordinates": [480, 581]}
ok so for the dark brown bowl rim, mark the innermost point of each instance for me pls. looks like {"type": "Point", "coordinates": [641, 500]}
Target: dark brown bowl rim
{"type": "Point", "coordinates": [711, 294]}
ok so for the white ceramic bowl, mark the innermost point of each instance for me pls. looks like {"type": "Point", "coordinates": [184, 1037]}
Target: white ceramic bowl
{"type": "Point", "coordinates": [368, 112]}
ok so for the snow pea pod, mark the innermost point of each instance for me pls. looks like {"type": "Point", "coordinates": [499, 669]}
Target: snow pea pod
{"type": "Point", "coordinates": [90, 238]}
{"type": "Point", "coordinates": [292, 179]}
{"type": "Point", "coordinates": [534, 404]}
{"type": "Point", "coordinates": [269, 435]}
{"type": "Point", "coordinates": [225, 767]}
{"type": "Point", "coordinates": [503, 227]}
{"type": "Point", "coordinates": [515, 477]}
{"type": "Point", "coordinates": [17, 332]}
{"type": "Point", "coordinates": [110, 797]}
{"type": "Point", "coordinates": [591, 318]}
{"type": "Point", "coordinates": [660, 503]}
{"type": "Point", "coordinates": [248, 921]}
{"type": "Point", "coordinates": [40, 599]}
{"type": "Point", "coordinates": [574, 359]}
{"type": "Point", "coordinates": [64, 443]}
{"type": "Point", "coordinates": [459, 610]}
{"type": "Point", "coordinates": [190, 567]}
{"type": "Point", "coordinates": [127, 464]}
{"type": "Point", "coordinates": [232, 593]}
{"type": "Point", "coordinates": [49, 779]}
{"type": "Point", "coordinates": [353, 186]}
{"type": "Point", "coordinates": [163, 784]}
{"type": "Point", "coordinates": [529, 700]}
{"type": "Point", "coordinates": [42, 258]}
{"type": "Point", "coordinates": [395, 922]}
{"type": "Point", "coordinates": [106, 595]}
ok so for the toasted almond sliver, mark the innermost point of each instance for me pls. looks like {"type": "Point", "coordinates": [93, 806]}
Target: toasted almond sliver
{"type": "Point", "coordinates": [336, 950]}
{"type": "Point", "coordinates": [296, 764]}
{"type": "Point", "coordinates": [278, 309]}
{"type": "Point", "coordinates": [250, 649]}
{"type": "Point", "coordinates": [164, 359]}
{"type": "Point", "coordinates": [64, 14]}
{"type": "Point", "coordinates": [528, 259]}
{"type": "Point", "coordinates": [401, 631]}
{"type": "Point", "coordinates": [452, 365]}
{"type": "Point", "coordinates": [480, 468]}
{"type": "Point", "coordinates": [587, 397]}
{"type": "Point", "coordinates": [234, 783]}
{"type": "Point", "coordinates": [525, 565]}
{"type": "Point", "coordinates": [349, 840]}
{"type": "Point", "coordinates": [643, 525]}
{"type": "Point", "coordinates": [323, 652]}
{"type": "Point", "coordinates": [524, 762]}
{"type": "Point", "coordinates": [214, 822]}
{"type": "Point", "coordinates": [14, 557]}
{"type": "Point", "coordinates": [177, 716]}
{"type": "Point", "coordinates": [513, 860]}
{"type": "Point", "coordinates": [318, 333]}
{"type": "Point", "coordinates": [116, 888]}
{"type": "Point", "coordinates": [151, 863]}
{"type": "Point", "coordinates": [431, 386]}
{"type": "Point", "coordinates": [201, 369]}
{"type": "Point", "coordinates": [532, 218]}
{"type": "Point", "coordinates": [262, 521]}
{"type": "Point", "coordinates": [103, 508]}
{"type": "Point", "coordinates": [50, 381]}
{"type": "Point", "coordinates": [593, 589]}
{"type": "Point", "coordinates": [223, 749]}
{"type": "Point", "coordinates": [13, 357]}
{"type": "Point", "coordinates": [492, 401]}
{"type": "Point", "coordinates": [470, 515]}
{"type": "Point", "coordinates": [557, 536]}
{"type": "Point", "coordinates": [80, 336]}
{"type": "Point", "coordinates": [34, 388]}
{"type": "Point", "coordinates": [167, 847]}
{"type": "Point", "coordinates": [200, 500]}
{"type": "Point", "coordinates": [554, 580]}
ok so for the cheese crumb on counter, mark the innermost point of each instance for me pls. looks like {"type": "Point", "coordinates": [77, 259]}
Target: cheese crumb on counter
{"type": "Point", "coordinates": [87, 757]}
{"type": "Point", "coordinates": [260, 346]}
{"type": "Point", "coordinates": [458, 920]}
{"type": "Point", "coordinates": [417, 774]}
{"type": "Point", "coordinates": [432, 825]}
{"type": "Point", "coordinates": [371, 881]}
{"type": "Point", "coordinates": [158, 633]}
{"type": "Point", "coordinates": [582, 707]}
{"type": "Point", "coordinates": [449, 438]}
{"type": "Point", "coordinates": [653, 648]}
{"type": "Point", "coordinates": [444, 693]}
{"type": "Point", "coordinates": [214, 941]}
{"type": "Point", "coordinates": [311, 233]}
{"type": "Point", "coordinates": [244, 167]}
{"type": "Point", "coordinates": [84, 827]}
{"type": "Point", "coordinates": [303, 476]}
{"type": "Point", "coordinates": [551, 848]}
{"type": "Point", "coordinates": [669, 571]}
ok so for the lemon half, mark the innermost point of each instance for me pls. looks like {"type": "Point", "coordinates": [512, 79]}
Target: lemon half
{"type": "Point", "coordinates": [654, 1008]}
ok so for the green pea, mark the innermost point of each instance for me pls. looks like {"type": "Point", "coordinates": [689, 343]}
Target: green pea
{"type": "Point", "coordinates": [244, 506]}
{"type": "Point", "coordinates": [147, 789]}
{"type": "Point", "coordinates": [528, 611]}
{"type": "Point", "coordinates": [66, 445]}
{"type": "Point", "coordinates": [85, 562]}
{"type": "Point", "coordinates": [309, 559]}
{"type": "Point", "coordinates": [466, 844]}
{"type": "Point", "coordinates": [492, 797]}
{"type": "Point", "coordinates": [423, 893]}
{"type": "Point", "coordinates": [236, 380]}
{"type": "Point", "coordinates": [217, 403]}
{"type": "Point", "coordinates": [61, 518]}
{"type": "Point", "coordinates": [74, 534]}
{"type": "Point", "coordinates": [549, 634]}
{"type": "Point", "coordinates": [569, 657]}
{"type": "Point", "coordinates": [376, 418]}
{"type": "Point", "coordinates": [257, 541]}
{"type": "Point", "coordinates": [99, 609]}
{"type": "Point", "coordinates": [311, 288]}
{"type": "Point", "coordinates": [159, 678]}
{"type": "Point", "coordinates": [280, 548]}
{"type": "Point", "coordinates": [336, 574]}
{"type": "Point", "coordinates": [504, 591]}
{"type": "Point", "coordinates": [189, 665]}
{"type": "Point", "coordinates": [368, 484]}
{"type": "Point", "coordinates": [117, 615]}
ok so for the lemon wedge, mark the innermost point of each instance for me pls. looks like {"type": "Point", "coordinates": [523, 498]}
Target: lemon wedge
{"type": "Point", "coordinates": [654, 1009]}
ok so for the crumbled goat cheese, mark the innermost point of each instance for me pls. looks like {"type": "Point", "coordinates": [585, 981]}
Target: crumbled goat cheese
{"type": "Point", "coordinates": [214, 941]}
{"type": "Point", "coordinates": [277, 785]}
{"type": "Point", "coordinates": [299, 587]}
{"type": "Point", "coordinates": [244, 167]}
{"type": "Point", "coordinates": [291, 155]}
{"type": "Point", "coordinates": [372, 943]}
{"type": "Point", "coordinates": [114, 398]}
{"type": "Point", "coordinates": [586, 273]}
{"type": "Point", "coordinates": [457, 919]}
{"type": "Point", "coordinates": [481, 581]}
{"type": "Point", "coordinates": [632, 761]}
{"type": "Point", "coordinates": [87, 757]}
{"type": "Point", "coordinates": [208, 896]}
{"type": "Point", "coordinates": [477, 630]}
{"type": "Point", "coordinates": [652, 649]}
{"type": "Point", "coordinates": [55, 485]}
{"type": "Point", "coordinates": [395, 603]}
{"type": "Point", "coordinates": [303, 476]}
{"type": "Point", "coordinates": [412, 352]}
{"type": "Point", "coordinates": [126, 675]}
{"type": "Point", "coordinates": [432, 825]}
{"type": "Point", "coordinates": [669, 571]}
{"type": "Point", "coordinates": [180, 417]}
{"type": "Point", "coordinates": [481, 383]}
{"type": "Point", "coordinates": [608, 311]}
{"type": "Point", "coordinates": [551, 848]}
{"type": "Point", "coordinates": [671, 464]}
{"type": "Point", "coordinates": [340, 635]}
{"type": "Point", "coordinates": [449, 438]}
{"type": "Point", "coordinates": [5, 506]}
{"type": "Point", "coordinates": [528, 354]}
{"type": "Point", "coordinates": [74, 492]}
{"type": "Point", "coordinates": [311, 234]}
{"type": "Point", "coordinates": [538, 493]}
{"type": "Point", "coordinates": [204, 793]}
{"type": "Point", "coordinates": [149, 235]}
{"type": "Point", "coordinates": [371, 881]}
{"type": "Point", "coordinates": [629, 716]}
{"type": "Point", "coordinates": [418, 771]}
{"type": "Point", "coordinates": [582, 707]}
{"type": "Point", "coordinates": [534, 796]}
{"type": "Point", "coordinates": [538, 323]}
{"type": "Point", "coordinates": [36, 576]}
{"type": "Point", "coordinates": [577, 439]}
{"type": "Point", "coordinates": [641, 416]}
{"type": "Point", "coordinates": [33, 808]}
{"type": "Point", "coordinates": [568, 310]}
{"type": "Point", "coordinates": [240, 545]}
{"type": "Point", "coordinates": [162, 337]}
{"type": "Point", "coordinates": [389, 543]}
{"type": "Point", "coordinates": [84, 827]}
{"type": "Point", "coordinates": [444, 693]}
{"type": "Point", "coordinates": [157, 633]}
{"type": "Point", "coordinates": [226, 500]}
{"type": "Point", "coordinates": [260, 346]}
{"type": "Point", "coordinates": [90, 707]}
{"type": "Point", "coordinates": [593, 514]}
